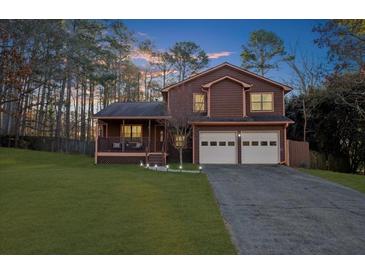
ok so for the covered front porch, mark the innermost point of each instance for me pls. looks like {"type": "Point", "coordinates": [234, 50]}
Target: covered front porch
{"type": "Point", "coordinates": [132, 133]}
{"type": "Point", "coordinates": [139, 139]}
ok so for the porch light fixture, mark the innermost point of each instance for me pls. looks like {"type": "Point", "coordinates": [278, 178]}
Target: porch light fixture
{"type": "Point", "coordinates": [239, 135]}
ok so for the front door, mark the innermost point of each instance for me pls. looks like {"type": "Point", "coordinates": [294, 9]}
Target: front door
{"type": "Point", "coordinates": [159, 138]}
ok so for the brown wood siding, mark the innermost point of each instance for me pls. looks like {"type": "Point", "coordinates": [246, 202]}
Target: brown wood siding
{"type": "Point", "coordinates": [226, 99]}
{"type": "Point", "coordinates": [113, 128]}
{"type": "Point", "coordinates": [181, 97]}
{"type": "Point", "coordinates": [238, 129]}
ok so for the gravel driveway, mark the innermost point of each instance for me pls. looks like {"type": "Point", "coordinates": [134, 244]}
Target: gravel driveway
{"type": "Point", "coordinates": [279, 210]}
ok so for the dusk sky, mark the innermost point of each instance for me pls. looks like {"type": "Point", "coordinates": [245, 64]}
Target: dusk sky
{"type": "Point", "coordinates": [223, 38]}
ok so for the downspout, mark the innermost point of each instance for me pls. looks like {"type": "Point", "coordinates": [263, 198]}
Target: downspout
{"type": "Point", "coordinates": [193, 144]}
{"type": "Point", "coordinates": [96, 143]}
{"type": "Point", "coordinates": [149, 135]}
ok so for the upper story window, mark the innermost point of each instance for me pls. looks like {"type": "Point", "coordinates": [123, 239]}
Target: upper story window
{"type": "Point", "coordinates": [132, 131]}
{"type": "Point", "coordinates": [198, 102]}
{"type": "Point", "coordinates": [262, 101]}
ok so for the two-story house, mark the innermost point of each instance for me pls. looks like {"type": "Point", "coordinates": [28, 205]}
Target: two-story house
{"type": "Point", "coordinates": [237, 117]}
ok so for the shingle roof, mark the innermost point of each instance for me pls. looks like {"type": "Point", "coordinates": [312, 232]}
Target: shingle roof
{"type": "Point", "coordinates": [133, 109]}
{"type": "Point", "coordinates": [263, 118]}
{"type": "Point", "coordinates": [285, 87]}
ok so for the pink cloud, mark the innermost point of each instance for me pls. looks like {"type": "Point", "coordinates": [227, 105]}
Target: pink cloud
{"type": "Point", "coordinates": [216, 55]}
{"type": "Point", "coordinates": [158, 73]}
{"type": "Point", "coordinates": [144, 56]}
{"type": "Point", "coordinates": [137, 54]}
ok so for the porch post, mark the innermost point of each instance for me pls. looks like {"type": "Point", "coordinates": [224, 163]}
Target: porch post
{"type": "Point", "coordinates": [149, 135]}
{"type": "Point", "coordinates": [165, 137]}
{"type": "Point", "coordinates": [122, 136]}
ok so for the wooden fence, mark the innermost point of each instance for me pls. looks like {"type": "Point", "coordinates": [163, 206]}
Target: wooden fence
{"type": "Point", "coordinates": [50, 144]}
{"type": "Point", "coordinates": [298, 154]}
{"type": "Point", "coordinates": [320, 160]}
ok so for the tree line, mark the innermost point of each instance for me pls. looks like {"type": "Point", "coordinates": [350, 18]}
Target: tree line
{"type": "Point", "coordinates": [55, 74]}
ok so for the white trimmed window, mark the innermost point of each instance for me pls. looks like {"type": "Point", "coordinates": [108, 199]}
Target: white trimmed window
{"type": "Point", "coordinates": [198, 102]}
{"type": "Point", "coordinates": [132, 131]}
{"type": "Point", "coordinates": [262, 101]}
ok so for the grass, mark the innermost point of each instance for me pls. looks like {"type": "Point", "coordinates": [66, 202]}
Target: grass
{"type": "Point", "coordinates": [186, 166]}
{"type": "Point", "coordinates": [350, 180]}
{"type": "Point", "coordinates": [52, 203]}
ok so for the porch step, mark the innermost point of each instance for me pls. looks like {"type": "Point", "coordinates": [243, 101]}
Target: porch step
{"type": "Point", "coordinates": [156, 159]}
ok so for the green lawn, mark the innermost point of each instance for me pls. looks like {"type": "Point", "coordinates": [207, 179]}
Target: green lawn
{"type": "Point", "coordinates": [350, 180]}
{"type": "Point", "coordinates": [52, 203]}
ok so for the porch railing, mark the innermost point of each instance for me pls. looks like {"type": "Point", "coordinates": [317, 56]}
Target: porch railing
{"type": "Point", "coordinates": [120, 144]}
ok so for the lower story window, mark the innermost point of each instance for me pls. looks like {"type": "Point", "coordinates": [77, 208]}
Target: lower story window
{"type": "Point", "coordinates": [179, 140]}
{"type": "Point", "coordinates": [132, 131]}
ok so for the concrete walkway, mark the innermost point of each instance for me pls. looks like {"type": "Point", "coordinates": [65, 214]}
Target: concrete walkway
{"type": "Point", "coordinates": [279, 210]}
{"type": "Point", "coordinates": [165, 169]}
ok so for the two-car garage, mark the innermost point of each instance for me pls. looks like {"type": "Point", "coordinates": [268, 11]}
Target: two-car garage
{"type": "Point", "coordinates": [253, 147]}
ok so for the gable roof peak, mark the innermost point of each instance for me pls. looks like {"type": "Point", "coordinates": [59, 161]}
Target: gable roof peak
{"type": "Point", "coordinates": [244, 85]}
{"type": "Point", "coordinates": [285, 87]}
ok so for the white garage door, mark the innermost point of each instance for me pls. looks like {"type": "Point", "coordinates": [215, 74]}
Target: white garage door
{"type": "Point", "coordinates": [217, 148]}
{"type": "Point", "coordinates": [260, 147]}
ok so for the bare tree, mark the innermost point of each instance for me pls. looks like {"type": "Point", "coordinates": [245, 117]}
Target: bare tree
{"type": "Point", "coordinates": [308, 74]}
{"type": "Point", "coordinates": [350, 91]}
{"type": "Point", "coordinates": [179, 130]}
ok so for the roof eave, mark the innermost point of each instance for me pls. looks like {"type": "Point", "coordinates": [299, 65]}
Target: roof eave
{"type": "Point", "coordinates": [132, 117]}
{"type": "Point", "coordinates": [241, 122]}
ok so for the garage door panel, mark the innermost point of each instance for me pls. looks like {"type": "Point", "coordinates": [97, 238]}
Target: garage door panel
{"type": "Point", "coordinates": [260, 147]}
{"type": "Point", "coordinates": [217, 148]}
